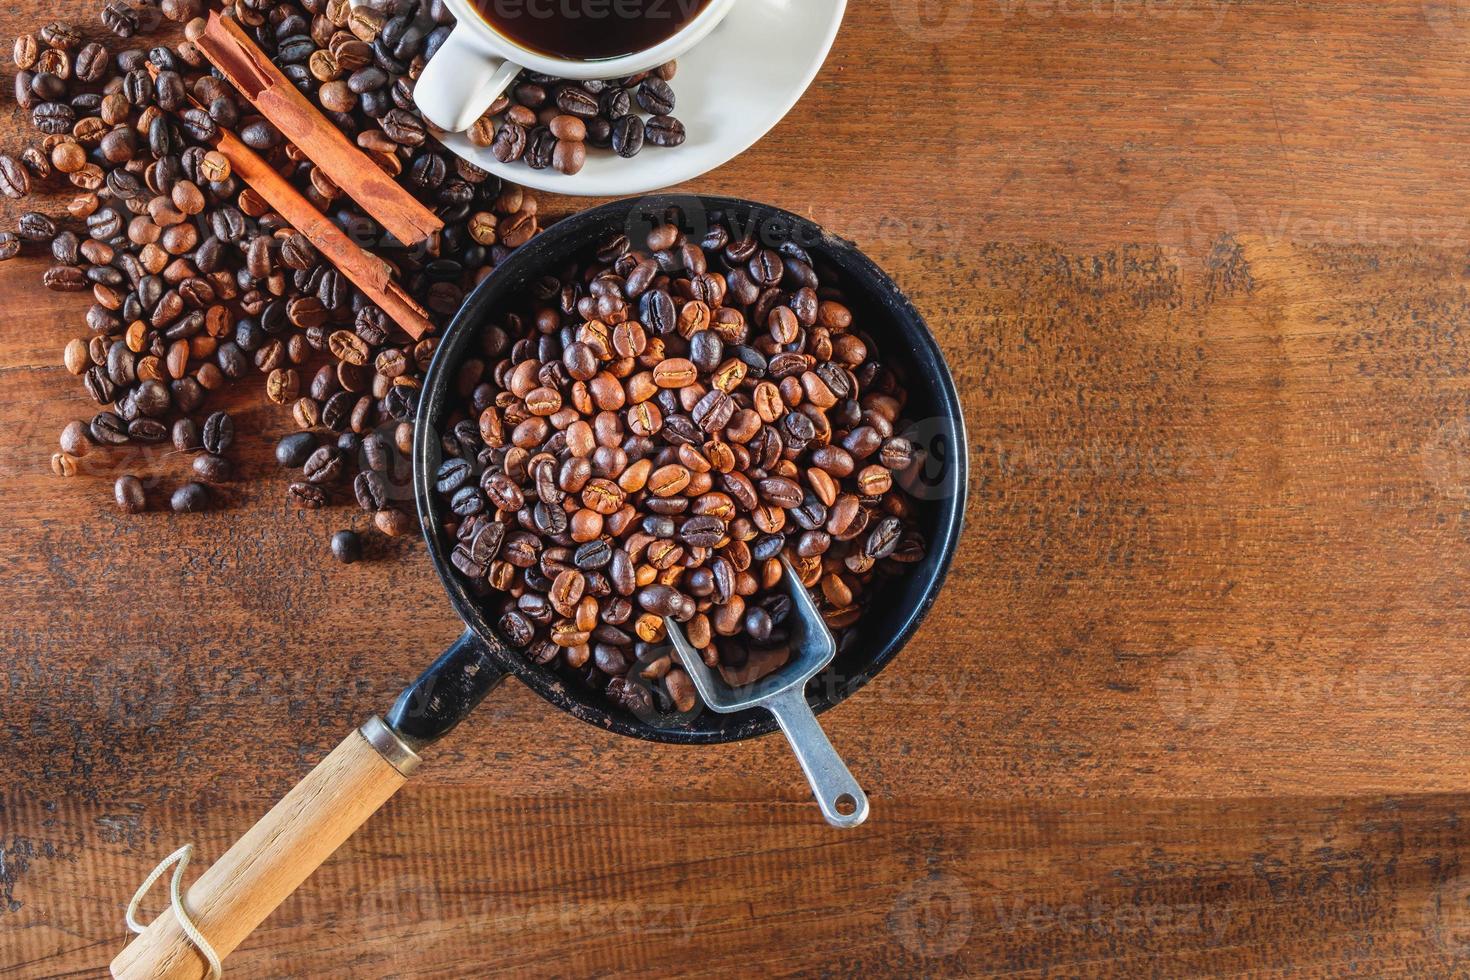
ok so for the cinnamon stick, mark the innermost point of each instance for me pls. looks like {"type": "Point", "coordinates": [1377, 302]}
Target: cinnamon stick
{"type": "Point", "coordinates": [249, 69]}
{"type": "Point", "coordinates": [364, 270]}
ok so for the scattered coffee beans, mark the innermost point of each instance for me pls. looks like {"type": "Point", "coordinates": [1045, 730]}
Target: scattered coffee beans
{"type": "Point", "coordinates": [194, 282]}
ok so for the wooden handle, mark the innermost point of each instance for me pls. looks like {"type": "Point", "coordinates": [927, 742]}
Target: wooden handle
{"type": "Point", "coordinates": [274, 857]}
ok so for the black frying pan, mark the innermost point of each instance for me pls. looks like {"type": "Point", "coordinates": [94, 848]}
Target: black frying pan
{"type": "Point", "coordinates": [231, 898]}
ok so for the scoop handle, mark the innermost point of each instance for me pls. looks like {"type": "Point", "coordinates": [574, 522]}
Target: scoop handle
{"type": "Point", "coordinates": [274, 857]}
{"type": "Point", "coordinates": [842, 800]}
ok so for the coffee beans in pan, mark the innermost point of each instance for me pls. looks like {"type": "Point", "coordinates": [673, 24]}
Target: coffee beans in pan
{"type": "Point", "coordinates": [647, 433]}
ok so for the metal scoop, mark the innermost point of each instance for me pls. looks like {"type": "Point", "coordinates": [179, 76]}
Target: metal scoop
{"type": "Point", "coordinates": [783, 694]}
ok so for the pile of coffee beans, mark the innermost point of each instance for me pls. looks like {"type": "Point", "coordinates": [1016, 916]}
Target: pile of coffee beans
{"type": "Point", "coordinates": [195, 282]}
{"type": "Point", "coordinates": [549, 122]}
{"type": "Point", "coordinates": [648, 432]}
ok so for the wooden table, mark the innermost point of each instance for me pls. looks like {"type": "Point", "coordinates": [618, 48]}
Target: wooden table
{"type": "Point", "coordinates": [1194, 701]}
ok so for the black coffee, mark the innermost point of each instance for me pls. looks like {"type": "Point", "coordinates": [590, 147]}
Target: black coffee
{"type": "Point", "coordinates": [589, 30]}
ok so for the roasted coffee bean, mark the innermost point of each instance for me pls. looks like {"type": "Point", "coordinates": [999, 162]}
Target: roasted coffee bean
{"type": "Point", "coordinates": [324, 465]}
{"type": "Point", "coordinates": [371, 491]}
{"type": "Point", "coordinates": [185, 435]}
{"type": "Point", "coordinates": [593, 555]}
{"type": "Point", "coordinates": [574, 100]}
{"type": "Point", "coordinates": [656, 97]}
{"type": "Point", "coordinates": [393, 522]}
{"type": "Point", "coordinates": [25, 51]}
{"type": "Point", "coordinates": [109, 429]}
{"type": "Point", "coordinates": [403, 127]}
{"type": "Point", "coordinates": [540, 148]}
{"type": "Point", "coordinates": [61, 35]}
{"type": "Point", "coordinates": [212, 469]}
{"type": "Point", "coordinates": [453, 474]}
{"type": "Point", "coordinates": [883, 538]}
{"type": "Point", "coordinates": [121, 18]}
{"type": "Point", "coordinates": [54, 118]}
{"type": "Point", "coordinates": [260, 135]}
{"type": "Point", "coordinates": [189, 499]}
{"type": "Point", "coordinates": [129, 495]}
{"type": "Point", "coordinates": [147, 430]}
{"type": "Point", "coordinates": [218, 432]}
{"type": "Point", "coordinates": [293, 450]}
{"type": "Point", "coordinates": [702, 532]}
{"type": "Point", "coordinates": [517, 629]}
{"type": "Point", "coordinates": [64, 278]}
{"type": "Point", "coordinates": [628, 136]}
{"type": "Point", "coordinates": [347, 547]}
{"type": "Point", "coordinates": [665, 131]}
{"type": "Point", "coordinates": [307, 495]}
{"type": "Point", "coordinates": [91, 63]}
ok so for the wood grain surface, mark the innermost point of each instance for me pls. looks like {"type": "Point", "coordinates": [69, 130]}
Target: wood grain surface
{"type": "Point", "coordinates": [1194, 700]}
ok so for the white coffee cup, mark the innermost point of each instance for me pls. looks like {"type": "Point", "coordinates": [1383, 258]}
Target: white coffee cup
{"type": "Point", "coordinates": [477, 63]}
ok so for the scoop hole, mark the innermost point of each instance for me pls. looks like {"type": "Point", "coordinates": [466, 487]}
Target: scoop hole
{"type": "Point", "coordinates": [846, 805]}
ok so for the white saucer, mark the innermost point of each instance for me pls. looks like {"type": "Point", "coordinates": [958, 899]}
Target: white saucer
{"type": "Point", "coordinates": [732, 89]}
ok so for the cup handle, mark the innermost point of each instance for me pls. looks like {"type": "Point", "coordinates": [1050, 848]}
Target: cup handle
{"type": "Point", "coordinates": [460, 81]}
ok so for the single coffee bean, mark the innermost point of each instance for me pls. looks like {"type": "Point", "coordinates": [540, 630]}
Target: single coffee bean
{"type": "Point", "coordinates": [324, 465]}
{"type": "Point", "coordinates": [218, 433]}
{"type": "Point", "coordinates": [307, 495]}
{"type": "Point", "coordinates": [294, 449]}
{"type": "Point", "coordinates": [628, 135]}
{"type": "Point", "coordinates": [185, 435]}
{"type": "Point", "coordinates": [665, 131]}
{"type": "Point", "coordinates": [347, 547]}
{"type": "Point", "coordinates": [569, 157]}
{"type": "Point", "coordinates": [393, 522]}
{"type": "Point", "coordinates": [574, 100]}
{"type": "Point", "coordinates": [213, 469]}
{"type": "Point", "coordinates": [371, 491]}
{"type": "Point", "coordinates": [108, 429]}
{"type": "Point", "coordinates": [189, 499]}
{"type": "Point", "coordinates": [75, 439]}
{"type": "Point", "coordinates": [510, 143]}
{"type": "Point", "coordinates": [656, 97]}
{"type": "Point", "coordinates": [128, 493]}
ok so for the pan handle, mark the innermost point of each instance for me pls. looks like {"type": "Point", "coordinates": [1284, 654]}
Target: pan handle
{"type": "Point", "coordinates": [300, 832]}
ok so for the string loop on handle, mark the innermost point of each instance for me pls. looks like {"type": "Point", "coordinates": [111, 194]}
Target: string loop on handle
{"type": "Point", "coordinates": [179, 861]}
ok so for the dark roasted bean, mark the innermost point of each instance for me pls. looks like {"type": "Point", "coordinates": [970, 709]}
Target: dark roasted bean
{"type": "Point", "coordinates": [218, 433]}
{"type": "Point", "coordinates": [189, 499]}
{"type": "Point", "coordinates": [347, 547]}
{"type": "Point", "coordinates": [371, 491]}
